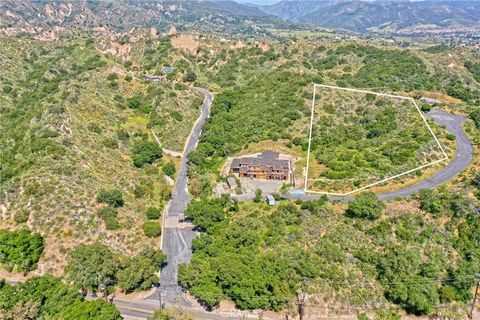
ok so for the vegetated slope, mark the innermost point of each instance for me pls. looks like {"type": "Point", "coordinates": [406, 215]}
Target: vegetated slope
{"type": "Point", "coordinates": [359, 139]}
{"type": "Point", "coordinates": [274, 104]}
{"type": "Point", "coordinates": [416, 254]}
{"type": "Point", "coordinates": [48, 297]}
{"type": "Point", "coordinates": [393, 16]}
{"type": "Point", "coordinates": [225, 17]}
{"type": "Point", "coordinates": [362, 257]}
{"type": "Point", "coordinates": [72, 122]}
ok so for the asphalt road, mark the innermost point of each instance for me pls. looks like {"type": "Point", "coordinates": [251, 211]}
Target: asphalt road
{"type": "Point", "coordinates": [177, 236]}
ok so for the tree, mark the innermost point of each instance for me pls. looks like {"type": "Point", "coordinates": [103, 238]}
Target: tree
{"type": "Point", "coordinates": [366, 206]}
{"type": "Point", "coordinates": [20, 249]}
{"type": "Point", "coordinates": [89, 310]}
{"type": "Point", "coordinates": [258, 196]}
{"type": "Point", "coordinates": [49, 292]}
{"type": "Point", "coordinates": [92, 266]}
{"type": "Point", "coordinates": [146, 152]}
{"type": "Point", "coordinates": [140, 273]}
{"type": "Point", "coordinates": [153, 213]}
{"type": "Point", "coordinates": [112, 197]}
{"type": "Point", "coordinates": [190, 76]}
{"type": "Point", "coordinates": [37, 298]}
{"type": "Point", "coordinates": [169, 169]}
{"type": "Point", "coordinates": [152, 229]}
{"type": "Point", "coordinates": [156, 257]}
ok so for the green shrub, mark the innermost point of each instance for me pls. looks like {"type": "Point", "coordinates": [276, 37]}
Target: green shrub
{"type": "Point", "coordinates": [153, 213]}
{"type": "Point", "coordinates": [20, 249]}
{"type": "Point", "coordinates": [7, 88]}
{"type": "Point", "coordinates": [450, 136]}
{"type": "Point", "coordinates": [177, 116]}
{"type": "Point", "coordinates": [141, 191]}
{"type": "Point", "coordinates": [110, 143]}
{"type": "Point", "coordinates": [21, 216]}
{"type": "Point", "coordinates": [109, 216]}
{"type": "Point", "coordinates": [134, 103]}
{"type": "Point", "coordinates": [146, 152]}
{"type": "Point", "coordinates": [169, 169]}
{"type": "Point", "coordinates": [93, 310]}
{"type": "Point", "coordinates": [366, 206]}
{"type": "Point", "coordinates": [112, 77]}
{"type": "Point", "coordinates": [152, 229]}
{"type": "Point", "coordinates": [190, 77]}
{"type": "Point", "coordinates": [111, 223]}
{"type": "Point", "coordinates": [113, 197]}
{"type": "Point", "coordinates": [258, 196]}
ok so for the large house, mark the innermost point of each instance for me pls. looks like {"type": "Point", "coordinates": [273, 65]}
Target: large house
{"type": "Point", "coordinates": [266, 165]}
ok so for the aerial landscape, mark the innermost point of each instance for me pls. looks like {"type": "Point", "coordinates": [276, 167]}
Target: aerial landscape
{"type": "Point", "coordinates": [250, 159]}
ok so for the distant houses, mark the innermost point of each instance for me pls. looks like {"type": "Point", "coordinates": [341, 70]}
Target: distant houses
{"type": "Point", "coordinates": [152, 77]}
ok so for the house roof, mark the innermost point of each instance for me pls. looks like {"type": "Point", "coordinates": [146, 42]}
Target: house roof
{"type": "Point", "coordinates": [268, 159]}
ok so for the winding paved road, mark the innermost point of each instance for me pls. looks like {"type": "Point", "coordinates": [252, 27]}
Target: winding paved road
{"type": "Point", "coordinates": [177, 236]}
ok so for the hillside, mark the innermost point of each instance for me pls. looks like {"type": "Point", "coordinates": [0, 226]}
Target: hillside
{"type": "Point", "coordinates": [71, 119]}
{"type": "Point", "coordinates": [223, 17]}
{"type": "Point", "coordinates": [379, 16]}
{"type": "Point", "coordinates": [84, 181]}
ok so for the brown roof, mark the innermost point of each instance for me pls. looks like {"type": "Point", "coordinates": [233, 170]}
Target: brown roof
{"type": "Point", "coordinates": [267, 159]}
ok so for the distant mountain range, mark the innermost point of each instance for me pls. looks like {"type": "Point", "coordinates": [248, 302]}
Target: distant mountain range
{"type": "Point", "coordinates": [122, 15]}
{"type": "Point", "coordinates": [231, 17]}
{"type": "Point", "coordinates": [388, 16]}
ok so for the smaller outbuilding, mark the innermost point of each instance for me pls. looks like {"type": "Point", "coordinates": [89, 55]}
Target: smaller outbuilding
{"type": "Point", "coordinates": [271, 200]}
{"type": "Point", "coordinates": [232, 183]}
{"type": "Point", "coordinates": [168, 69]}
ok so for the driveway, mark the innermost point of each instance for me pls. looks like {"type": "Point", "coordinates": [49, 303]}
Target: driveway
{"type": "Point", "coordinates": [177, 236]}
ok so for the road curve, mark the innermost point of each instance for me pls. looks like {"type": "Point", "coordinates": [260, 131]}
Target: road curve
{"type": "Point", "coordinates": [462, 158]}
{"type": "Point", "coordinates": [178, 239]}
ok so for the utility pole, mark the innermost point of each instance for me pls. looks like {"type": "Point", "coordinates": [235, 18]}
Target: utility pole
{"type": "Point", "coordinates": [301, 304]}
{"type": "Point", "coordinates": [301, 299]}
{"type": "Point", "coordinates": [159, 291]}
{"type": "Point", "coordinates": [472, 309]}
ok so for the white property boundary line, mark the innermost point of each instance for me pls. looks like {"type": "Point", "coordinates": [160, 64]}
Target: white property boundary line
{"type": "Point", "coordinates": [381, 181]}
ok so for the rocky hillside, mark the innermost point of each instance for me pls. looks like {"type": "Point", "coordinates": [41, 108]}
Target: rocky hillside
{"type": "Point", "coordinates": [226, 17]}
{"type": "Point", "coordinates": [391, 16]}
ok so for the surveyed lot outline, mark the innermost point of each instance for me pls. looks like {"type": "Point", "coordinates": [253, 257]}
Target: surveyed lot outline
{"type": "Point", "coordinates": [445, 156]}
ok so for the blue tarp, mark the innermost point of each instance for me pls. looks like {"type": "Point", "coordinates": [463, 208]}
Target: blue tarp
{"type": "Point", "coordinates": [296, 192]}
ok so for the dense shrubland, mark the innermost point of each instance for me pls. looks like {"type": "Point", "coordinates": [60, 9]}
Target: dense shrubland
{"type": "Point", "coordinates": [363, 138]}
{"type": "Point", "coordinates": [48, 297]}
{"type": "Point", "coordinates": [96, 267]}
{"type": "Point", "coordinates": [258, 256]}
{"type": "Point", "coordinates": [20, 250]}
